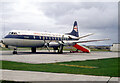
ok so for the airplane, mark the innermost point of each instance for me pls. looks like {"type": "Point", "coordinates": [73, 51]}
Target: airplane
{"type": "Point", "coordinates": [33, 39]}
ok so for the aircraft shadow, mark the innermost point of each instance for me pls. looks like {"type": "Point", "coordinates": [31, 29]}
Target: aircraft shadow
{"type": "Point", "coordinates": [26, 53]}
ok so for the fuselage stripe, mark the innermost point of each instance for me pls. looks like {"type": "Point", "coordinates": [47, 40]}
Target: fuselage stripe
{"type": "Point", "coordinates": [33, 37]}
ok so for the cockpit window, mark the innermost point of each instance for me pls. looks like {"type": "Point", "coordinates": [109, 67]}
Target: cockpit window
{"type": "Point", "coordinates": [12, 33]}
{"type": "Point", "coordinates": [9, 32]}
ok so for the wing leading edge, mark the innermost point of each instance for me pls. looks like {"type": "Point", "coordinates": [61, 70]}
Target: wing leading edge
{"type": "Point", "coordinates": [74, 42]}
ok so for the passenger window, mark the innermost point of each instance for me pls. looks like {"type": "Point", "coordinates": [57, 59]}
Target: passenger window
{"type": "Point", "coordinates": [65, 38]}
{"type": "Point", "coordinates": [59, 38]}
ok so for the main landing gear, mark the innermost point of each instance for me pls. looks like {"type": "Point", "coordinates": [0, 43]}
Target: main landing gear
{"type": "Point", "coordinates": [15, 51]}
{"type": "Point", "coordinates": [33, 49]}
{"type": "Point", "coordinates": [60, 50]}
{"type": "Point", "coordinates": [55, 48]}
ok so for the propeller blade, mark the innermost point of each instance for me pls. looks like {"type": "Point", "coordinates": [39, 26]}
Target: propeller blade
{"type": "Point", "coordinates": [49, 41]}
{"type": "Point", "coordinates": [44, 41]}
{"type": "Point", "coordinates": [46, 45]}
{"type": "Point", "coordinates": [48, 48]}
{"type": "Point", "coordinates": [62, 38]}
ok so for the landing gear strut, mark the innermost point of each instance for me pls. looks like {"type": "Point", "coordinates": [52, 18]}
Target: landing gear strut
{"type": "Point", "coordinates": [60, 50]}
{"type": "Point", "coordinates": [33, 49]}
{"type": "Point", "coordinates": [15, 51]}
{"type": "Point", "coordinates": [55, 48]}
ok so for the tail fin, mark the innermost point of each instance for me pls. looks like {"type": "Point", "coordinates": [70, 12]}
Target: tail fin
{"type": "Point", "coordinates": [75, 30]}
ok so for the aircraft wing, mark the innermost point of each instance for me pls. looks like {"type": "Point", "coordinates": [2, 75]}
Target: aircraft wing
{"type": "Point", "coordinates": [90, 41]}
{"type": "Point", "coordinates": [74, 42]}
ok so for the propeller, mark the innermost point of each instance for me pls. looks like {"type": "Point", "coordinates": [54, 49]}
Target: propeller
{"type": "Point", "coordinates": [61, 44]}
{"type": "Point", "coordinates": [62, 39]}
{"type": "Point", "coordinates": [46, 45]}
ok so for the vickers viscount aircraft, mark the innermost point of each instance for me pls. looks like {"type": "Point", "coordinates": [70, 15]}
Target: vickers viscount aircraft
{"type": "Point", "coordinates": [32, 39]}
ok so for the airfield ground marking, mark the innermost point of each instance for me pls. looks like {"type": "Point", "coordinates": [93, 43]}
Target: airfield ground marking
{"type": "Point", "coordinates": [77, 66]}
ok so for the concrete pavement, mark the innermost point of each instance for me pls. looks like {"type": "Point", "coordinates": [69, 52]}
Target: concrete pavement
{"type": "Point", "coordinates": [15, 75]}
{"type": "Point", "coordinates": [46, 57]}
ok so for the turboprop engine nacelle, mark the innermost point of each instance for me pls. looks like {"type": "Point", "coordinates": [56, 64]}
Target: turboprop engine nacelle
{"type": "Point", "coordinates": [53, 44]}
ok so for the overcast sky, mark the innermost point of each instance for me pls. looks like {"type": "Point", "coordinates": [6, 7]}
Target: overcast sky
{"type": "Point", "coordinates": [100, 18]}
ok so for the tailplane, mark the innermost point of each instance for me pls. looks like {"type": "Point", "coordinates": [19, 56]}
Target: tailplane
{"type": "Point", "coordinates": [75, 30]}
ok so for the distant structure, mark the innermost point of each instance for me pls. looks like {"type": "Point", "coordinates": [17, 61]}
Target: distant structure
{"type": "Point", "coordinates": [115, 47]}
{"type": "Point", "coordinates": [106, 47]}
{"type": "Point", "coordinates": [0, 44]}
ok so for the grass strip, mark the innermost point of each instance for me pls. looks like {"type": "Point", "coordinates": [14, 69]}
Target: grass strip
{"type": "Point", "coordinates": [104, 67]}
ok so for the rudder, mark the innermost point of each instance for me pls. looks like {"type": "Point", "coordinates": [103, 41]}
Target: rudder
{"type": "Point", "coordinates": [75, 30]}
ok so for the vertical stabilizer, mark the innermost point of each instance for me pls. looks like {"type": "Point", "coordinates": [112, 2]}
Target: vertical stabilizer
{"type": "Point", "coordinates": [75, 30]}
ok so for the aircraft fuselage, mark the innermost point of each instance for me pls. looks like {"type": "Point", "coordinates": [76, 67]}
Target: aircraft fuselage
{"type": "Point", "coordinates": [32, 39]}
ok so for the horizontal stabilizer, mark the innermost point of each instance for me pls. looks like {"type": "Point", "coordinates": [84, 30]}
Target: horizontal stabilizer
{"type": "Point", "coordinates": [81, 36]}
{"type": "Point", "coordinates": [86, 35]}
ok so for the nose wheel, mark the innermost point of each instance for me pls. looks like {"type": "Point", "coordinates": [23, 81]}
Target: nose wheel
{"type": "Point", "coordinates": [15, 51]}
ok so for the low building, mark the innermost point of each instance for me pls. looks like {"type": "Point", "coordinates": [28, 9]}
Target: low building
{"type": "Point", "coordinates": [107, 47]}
{"type": "Point", "coordinates": [0, 44]}
{"type": "Point", "coordinates": [115, 47]}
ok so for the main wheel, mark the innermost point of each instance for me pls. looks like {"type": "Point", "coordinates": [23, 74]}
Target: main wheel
{"type": "Point", "coordinates": [60, 50]}
{"type": "Point", "coordinates": [14, 52]}
{"type": "Point", "coordinates": [33, 49]}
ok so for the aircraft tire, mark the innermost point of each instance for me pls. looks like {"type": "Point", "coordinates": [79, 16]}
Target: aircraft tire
{"type": "Point", "coordinates": [14, 52]}
{"type": "Point", "coordinates": [60, 50]}
{"type": "Point", "coordinates": [33, 49]}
